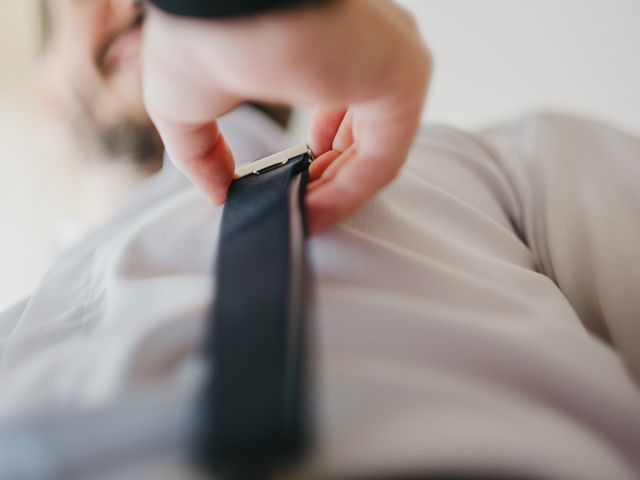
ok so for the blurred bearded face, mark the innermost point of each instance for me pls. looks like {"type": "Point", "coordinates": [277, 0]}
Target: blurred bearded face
{"type": "Point", "coordinates": [93, 66]}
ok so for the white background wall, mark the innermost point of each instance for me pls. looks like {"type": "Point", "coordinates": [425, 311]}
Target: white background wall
{"type": "Point", "coordinates": [499, 58]}
{"type": "Point", "coordinates": [494, 59]}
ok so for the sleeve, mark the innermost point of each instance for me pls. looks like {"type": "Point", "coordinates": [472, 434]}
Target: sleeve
{"type": "Point", "coordinates": [578, 185]}
{"type": "Point", "coordinates": [226, 8]}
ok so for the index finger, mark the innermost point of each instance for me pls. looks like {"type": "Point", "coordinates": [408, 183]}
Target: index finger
{"type": "Point", "coordinates": [202, 154]}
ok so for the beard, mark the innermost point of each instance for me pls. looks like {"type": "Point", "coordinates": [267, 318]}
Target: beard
{"type": "Point", "coordinates": [136, 141]}
{"type": "Point", "coordinates": [132, 140]}
{"type": "Point", "coordinates": [128, 137]}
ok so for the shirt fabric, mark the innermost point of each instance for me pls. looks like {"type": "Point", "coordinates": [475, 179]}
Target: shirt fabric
{"type": "Point", "coordinates": [478, 314]}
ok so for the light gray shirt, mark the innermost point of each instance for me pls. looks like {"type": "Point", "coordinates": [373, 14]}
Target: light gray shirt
{"type": "Point", "coordinates": [480, 313]}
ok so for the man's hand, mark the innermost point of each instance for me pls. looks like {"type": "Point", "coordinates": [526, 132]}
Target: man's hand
{"type": "Point", "coordinates": [362, 64]}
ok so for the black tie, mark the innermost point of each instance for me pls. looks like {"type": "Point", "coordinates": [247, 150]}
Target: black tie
{"type": "Point", "coordinates": [252, 413]}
